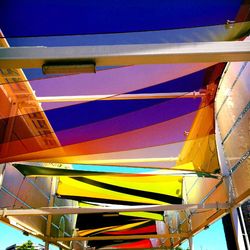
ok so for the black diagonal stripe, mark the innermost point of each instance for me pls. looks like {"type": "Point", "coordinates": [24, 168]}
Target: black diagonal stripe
{"type": "Point", "coordinates": [93, 221]}
{"type": "Point", "coordinates": [145, 194]}
{"type": "Point", "coordinates": [102, 200]}
{"type": "Point", "coordinates": [145, 224]}
{"type": "Point", "coordinates": [105, 231]}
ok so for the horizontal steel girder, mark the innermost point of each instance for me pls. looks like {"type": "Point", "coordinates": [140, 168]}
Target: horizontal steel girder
{"type": "Point", "coordinates": [117, 55]}
{"type": "Point", "coordinates": [88, 210]}
{"type": "Point", "coordinates": [121, 237]}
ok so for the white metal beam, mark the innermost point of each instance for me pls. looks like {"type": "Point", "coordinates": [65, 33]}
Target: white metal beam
{"type": "Point", "coordinates": [119, 237]}
{"type": "Point", "coordinates": [51, 203]}
{"type": "Point", "coordinates": [81, 98]}
{"type": "Point", "coordinates": [117, 55]}
{"type": "Point", "coordinates": [81, 210]}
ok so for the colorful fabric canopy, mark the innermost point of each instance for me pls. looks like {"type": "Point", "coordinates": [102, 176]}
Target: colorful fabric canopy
{"type": "Point", "coordinates": [119, 133]}
{"type": "Point", "coordinates": [220, 32]}
{"type": "Point", "coordinates": [81, 170]}
{"type": "Point", "coordinates": [163, 133]}
{"type": "Point", "coordinates": [122, 133]}
{"type": "Point", "coordinates": [152, 215]}
{"type": "Point", "coordinates": [123, 189]}
{"type": "Point", "coordinates": [114, 225]}
{"type": "Point", "coordinates": [143, 133]}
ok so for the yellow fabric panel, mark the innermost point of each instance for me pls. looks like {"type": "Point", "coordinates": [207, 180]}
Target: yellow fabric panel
{"type": "Point", "coordinates": [147, 215]}
{"type": "Point", "coordinates": [189, 166]}
{"type": "Point", "coordinates": [111, 228]}
{"type": "Point", "coordinates": [128, 226]}
{"type": "Point", "coordinates": [71, 187]}
{"type": "Point", "coordinates": [151, 183]}
{"type": "Point", "coordinates": [200, 146]}
{"type": "Point", "coordinates": [91, 231]}
{"type": "Point", "coordinates": [202, 152]}
{"type": "Point", "coordinates": [82, 204]}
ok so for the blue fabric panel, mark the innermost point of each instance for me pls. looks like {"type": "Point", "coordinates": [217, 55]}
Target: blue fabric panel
{"type": "Point", "coordinates": [187, 83]}
{"type": "Point", "coordinates": [60, 17]}
{"type": "Point", "coordinates": [86, 113]}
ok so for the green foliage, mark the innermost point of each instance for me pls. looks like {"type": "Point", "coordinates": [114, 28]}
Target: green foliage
{"type": "Point", "coordinates": [26, 246]}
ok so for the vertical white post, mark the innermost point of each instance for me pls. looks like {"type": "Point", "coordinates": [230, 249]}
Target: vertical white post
{"type": "Point", "coordinates": [188, 214]}
{"type": "Point", "coordinates": [231, 192]}
{"type": "Point", "coordinates": [190, 242]}
{"type": "Point", "coordinates": [51, 204]}
{"type": "Point", "coordinates": [238, 234]}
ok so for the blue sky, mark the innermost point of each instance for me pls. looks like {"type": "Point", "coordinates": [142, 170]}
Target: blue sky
{"type": "Point", "coordinates": [10, 236]}
{"type": "Point", "coordinates": [212, 238]}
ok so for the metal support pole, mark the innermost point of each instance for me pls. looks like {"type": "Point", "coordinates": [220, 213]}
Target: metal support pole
{"type": "Point", "coordinates": [80, 210]}
{"type": "Point", "coordinates": [245, 239]}
{"type": "Point", "coordinates": [190, 242]}
{"type": "Point", "coordinates": [51, 204]}
{"type": "Point", "coordinates": [190, 239]}
{"type": "Point", "coordinates": [228, 181]}
{"type": "Point", "coordinates": [235, 224]}
{"type": "Point", "coordinates": [120, 237]}
{"type": "Point", "coordinates": [109, 97]}
{"type": "Point", "coordinates": [188, 214]}
{"type": "Point", "coordinates": [239, 235]}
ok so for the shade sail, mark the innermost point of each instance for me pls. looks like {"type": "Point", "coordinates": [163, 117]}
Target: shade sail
{"type": "Point", "coordinates": [220, 32]}
{"type": "Point", "coordinates": [81, 119]}
{"type": "Point", "coordinates": [108, 224]}
{"type": "Point", "coordinates": [115, 81]}
{"type": "Point", "coordinates": [146, 215]}
{"type": "Point", "coordinates": [88, 170]}
{"type": "Point", "coordinates": [201, 150]}
{"type": "Point", "coordinates": [153, 215]}
{"type": "Point", "coordinates": [92, 17]}
{"type": "Point", "coordinates": [136, 133]}
{"type": "Point", "coordinates": [119, 117]}
{"type": "Point", "coordinates": [113, 149]}
{"type": "Point", "coordinates": [122, 189]}
{"type": "Point", "coordinates": [113, 224]}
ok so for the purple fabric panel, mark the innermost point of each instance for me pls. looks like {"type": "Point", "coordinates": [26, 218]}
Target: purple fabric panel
{"type": "Point", "coordinates": [135, 120]}
{"type": "Point", "coordinates": [113, 81]}
{"type": "Point", "coordinates": [155, 135]}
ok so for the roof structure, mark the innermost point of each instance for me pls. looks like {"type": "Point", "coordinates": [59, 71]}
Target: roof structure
{"type": "Point", "coordinates": [129, 118]}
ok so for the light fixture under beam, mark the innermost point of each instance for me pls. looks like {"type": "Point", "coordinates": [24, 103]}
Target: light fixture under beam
{"type": "Point", "coordinates": [68, 68]}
